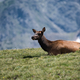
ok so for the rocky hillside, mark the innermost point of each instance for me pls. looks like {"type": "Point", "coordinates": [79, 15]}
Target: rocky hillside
{"type": "Point", "coordinates": [18, 17]}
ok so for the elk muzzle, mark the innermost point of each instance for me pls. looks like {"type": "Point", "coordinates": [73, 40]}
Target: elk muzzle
{"type": "Point", "coordinates": [34, 37]}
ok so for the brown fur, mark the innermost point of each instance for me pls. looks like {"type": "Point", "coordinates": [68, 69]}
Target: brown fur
{"type": "Point", "coordinates": [55, 47]}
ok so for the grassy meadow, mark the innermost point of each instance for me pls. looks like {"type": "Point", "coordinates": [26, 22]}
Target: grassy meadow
{"type": "Point", "coordinates": [35, 64]}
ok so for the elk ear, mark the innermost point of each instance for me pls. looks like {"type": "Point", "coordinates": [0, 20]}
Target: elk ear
{"type": "Point", "coordinates": [34, 30]}
{"type": "Point", "coordinates": [43, 30]}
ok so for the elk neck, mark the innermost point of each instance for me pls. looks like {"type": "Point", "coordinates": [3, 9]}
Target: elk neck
{"type": "Point", "coordinates": [44, 43]}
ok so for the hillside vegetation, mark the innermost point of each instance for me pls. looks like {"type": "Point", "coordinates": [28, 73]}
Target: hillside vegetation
{"type": "Point", "coordinates": [35, 64]}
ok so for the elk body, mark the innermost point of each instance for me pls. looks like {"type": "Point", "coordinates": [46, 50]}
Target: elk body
{"type": "Point", "coordinates": [55, 47]}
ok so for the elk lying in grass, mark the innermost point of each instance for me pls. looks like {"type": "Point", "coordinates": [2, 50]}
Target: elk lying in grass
{"type": "Point", "coordinates": [55, 47]}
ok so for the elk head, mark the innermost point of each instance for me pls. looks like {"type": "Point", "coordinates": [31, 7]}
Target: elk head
{"type": "Point", "coordinates": [38, 34]}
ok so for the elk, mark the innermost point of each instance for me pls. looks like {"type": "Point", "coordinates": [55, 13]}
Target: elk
{"type": "Point", "coordinates": [55, 47]}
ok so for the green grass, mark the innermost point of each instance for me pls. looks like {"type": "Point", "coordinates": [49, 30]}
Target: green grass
{"type": "Point", "coordinates": [35, 64]}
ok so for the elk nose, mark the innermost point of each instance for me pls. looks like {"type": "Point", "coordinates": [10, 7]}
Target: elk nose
{"type": "Point", "coordinates": [32, 37]}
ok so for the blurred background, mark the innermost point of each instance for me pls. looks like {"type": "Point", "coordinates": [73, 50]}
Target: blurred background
{"type": "Point", "coordinates": [18, 17]}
